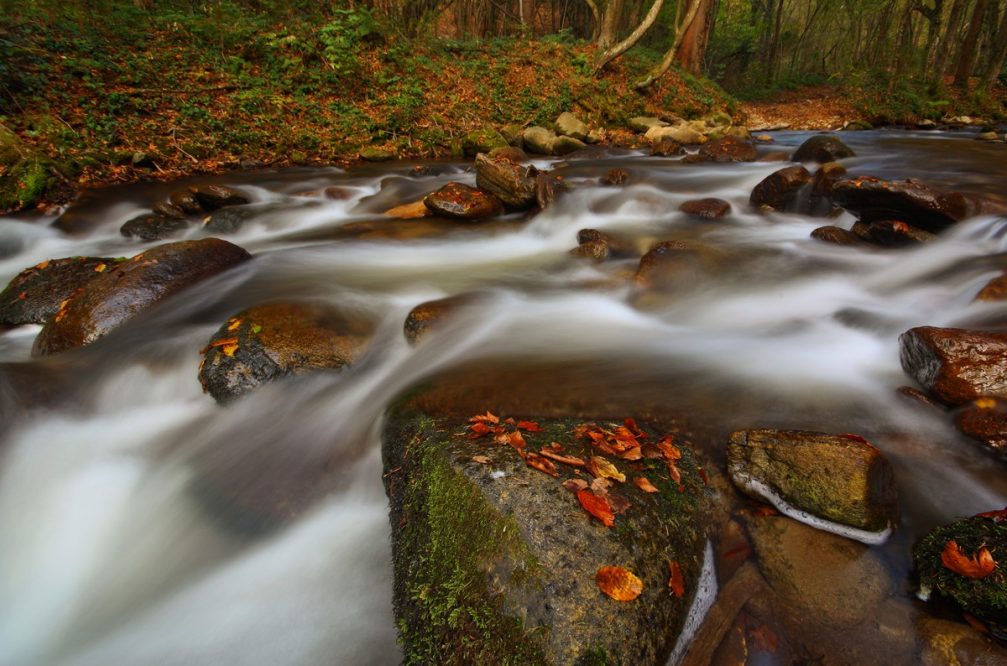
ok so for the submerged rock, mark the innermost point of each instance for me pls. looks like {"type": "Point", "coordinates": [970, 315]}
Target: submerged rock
{"type": "Point", "coordinates": [891, 233]}
{"type": "Point", "coordinates": [946, 643]}
{"type": "Point", "coordinates": [668, 263]}
{"type": "Point", "coordinates": [463, 202]}
{"type": "Point", "coordinates": [564, 145]}
{"type": "Point", "coordinates": [994, 290]}
{"type": "Point", "coordinates": [728, 149]}
{"type": "Point", "coordinates": [35, 294]}
{"type": "Point", "coordinates": [822, 148]}
{"type": "Point", "coordinates": [820, 202]}
{"type": "Point", "coordinates": [168, 209]}
{"type": "Point", "coordinates": [707, 209]}
{"type": "Point", "coordinates": [431, 315]}
{"type": "Point", "coordinates": [779, 189]}
{"type": "Point", "coordinates": [229, 220]}
{"type": "Point", "coordinates": [269, 341]}
{"type": "Point", "coordinates": [595, 250]}
{"type": "Point", "coordinates": [496, 562]}
{"type": "Point", "coordinates": [841, 479]}
{"type": "Point", "coordinates": [152, 226]}
{"type": "Point", "coordinates": [942, 567]}
{"type": "Point", "coordinates": [130, 287]}
{"type": "Point", "coordinates": [548, 187]}
{"type": "Point", "coordinates": [185, 201]}
{"type": "Point", "coordinates": [510, 182]}
{"type": "Point", "coordinates": [615, 177]}
{"type": "Point", "coordinates": [954, 364]}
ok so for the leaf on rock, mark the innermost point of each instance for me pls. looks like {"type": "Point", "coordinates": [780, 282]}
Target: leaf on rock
{"type": "Point", "coordinates": [488, 417]}
{"type": "Point", "coordinates": [573, 485]}
{"type": "Point", "coordinates": [979, 565]}
{"type": "Point", "coordinates": [619, 583]}
{"type": "Point", "coordinates": [536, 461]}
{"type": "Point", "coordinates": [478, 430]}
{"type": "Point", "coordinates": [597, 506]}
{"type": "Point", "coordinates": [602, 468]}
{"type": "Point", "coordinates": [644, 484]}
{"type": "Point", "coordinates": [676, 582]}
{"type": "Point", "coordinates": [566, 460]}
{"type": "Point", "coordinates": [619, 504]}
{"type": "Point", "coordinates": [601, 485]}
{"type": "Point", "coordinates": [668, 450]}
{"type": "Point", "coordinates": [996, 516]}
{"type": "Point", "coordinates": [530, 426]}
{"type": "Point", "coordinates": [632, 454]}
{"type": "Point", "coordinates": [229, 349]}
{"type": "Point", "coordinates": [482, 460]}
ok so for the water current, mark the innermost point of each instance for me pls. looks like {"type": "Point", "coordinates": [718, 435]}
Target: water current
{"type": "Point", "coordinates": [108, 557]}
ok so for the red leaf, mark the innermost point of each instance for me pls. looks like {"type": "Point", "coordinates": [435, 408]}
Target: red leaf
{"type": "Point", "coordinates": [668, 450]}
{"type": "Point", "coordinates": [478, 430]}
{"type": "Point", "coordinates": [979, 565]}
{"type": "Point", "coordinates": [675, 581]}
{"type": "Point", "coordinates": [541, 464]}
{"type": "Point", "coordinates": [596, 506]}
{"type": "Point", "coordinates": [530, 426]}
{"type": "Point", "coordinates": [488, 417]}
{"type": "Point", "coordinates": [997, 516]}
{"type": "Point", "coordinates": [619, 504]}
{"type": "Point", "coordinates": [566, 460]}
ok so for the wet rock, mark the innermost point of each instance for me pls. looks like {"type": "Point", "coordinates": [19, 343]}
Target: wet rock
{"type": "Point", "coordinates": [595, 250]}
{"type": "Point", "coordinates": [152, 226]}
{"type": "Point", "coordinates": [375, 154]}
{"type": "Point", "coordinates": [839, 478]}
{"type": "Point", "coordinates": [512, 153]}
{"type": "Point", "coordinates": [890, 233]}
{"type": "Point", "coordinates": [274, 340]}
{"type": "Point", "coordinates": [475, 544]}
{"type": "Point", "coordinates": [779, 189]}
{"type": "Point", "coordinates": [682, 134]}
{"type": "Point", "coordinates": [539, 140]}
{"type": "Point", "coordinates": [130, 287]}
{"type": "Point", "coordinates": [564, 145]}
{"type": "Point", "coordinates": [168, 209]}
{"type": "Point", "coordinates": [229, 220]}
{"type": "Point", "coordinates": [185, 201]}
{"type": "Point", "coordinates": [946, 643]}
{"type": "Point", "coordinates": [822, 148]}
{"type": "Point", "coordinates": [672, 263]}
{"type": "Point", "coordinates": [482, 141]}
{"type": "Point", "coordinates": [988, 136]}
{"type": "Point", "coordinates": [614, 177]}
{"type": "Point", "coordinates": [643, 124]}
{"type": "Point", "coordinates": [985, 420]}
{"type": "Point", "coordinates": [728, 149]}
{"type": "Point", "coordinates": [822, 577]}
{"type": "Point", "coordinates": [983, 597]}
{"type": "Point", "coordinates": [548, 187]}
{"type": "Point", "coordinates": [954, 364]}
{"type": "Point", "coordinates": [212, 197]}
{"type": "Point", "coordinates": [570, 125]}
{"type": "Point", "coordinates": [463, 202]}
{"type": "Point", "coordinates": [431, 315]}
{"type": "Point", "coordinates": [820, 200]}
{"type": "Point", "coordinates": [410, 211]}
{"type": "Point", "coordinates": [666, 147]}
{"type": "Point", "coordinates": [512, 134]}
{"type": "Point", "coordinates": [836, 236]}
{"type": "Point", "coordinates": [35, 294]}
{"type": "Point", "coordinates": [510, 182]}
{"type": "Point", "coordinates": [994, 290]}
{"type": "Point", "coordinates": [707, 209]}
{"type": "Point", "coordinates": [919, 398]}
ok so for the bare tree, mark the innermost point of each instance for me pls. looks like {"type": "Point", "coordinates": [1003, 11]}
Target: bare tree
{"type": "Point", "coordinates": [692, 9]}
{"type": "Point", "coordinates": [610, 54]}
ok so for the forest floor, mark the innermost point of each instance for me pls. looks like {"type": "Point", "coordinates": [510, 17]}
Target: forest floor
{"type": "Point", "coordinates": [809, 108]}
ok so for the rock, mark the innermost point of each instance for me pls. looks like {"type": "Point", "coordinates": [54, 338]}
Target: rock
{"type": "Point", "coordinates": [707, 209]}
{"type": "Point", "coordinates": [212, 197]}
{"type": "Point", "coordinates": [539, 140]}
{"type": "Point", "coordinates": [738, 132]}
{"type": "Point", "coordinates": [927, 123]}
{"type": "Point", "coordinates": [564, 145]}
{"type": "Point", "coordinates": [152, 226]}
{"type": "Point", "coordinates": [130, 287]}
{"type": "Point", "coordinates": [463, 202]}
{"type": "Point", "coordinates": [889, 233]}
{"type": "Point", "coordinates": [954, 364]}
{"type": "Point", "coordinates": [822, 148]}
{"type": "Point", "coordinates": [985, 597]}
{"type": "Point", "coordinates": [985, 420]}
{"type": "Point", "coordinates": [512, 134]}
{"type": "Point", "coordinates": [764, 138]}
{"type": "Point", "coordinates": [35, 294]}
{"type": "Point", "coordinates": [825, 179]}
{"type": "Point", "coordinates": [168, 209]}
{"type": "Point", "coordinates": [495, 562]}
{"type": "Point", "coordinates": [718, 119]}
{"type": "Point", "coordinates": [988, 136]}
{"type": "Point", "coordinates": [666, 147]}
{"type": "Point", "coordinates": [946, 643]}
{"type": "Point", "coordinates": [185, 201]}
{"type": "Point", "coordinates": [614, 177]}
{"type": "Point", "coordinates": [512, 153]}
{"type": "Point", "coordinates": [839, 478]}
{"type": "Point", "coordinates": [274, 340]}
{"type": "Point", "coordinates": [643, 124]}
{"type": "Point", "coordinates": [595, 136]}
{"type": "Point", "coordinates": [482, 141]}
{"type": "Point", "coordinates": [409, 211]}
{"type": "Point", "coordinates": [375, 154]}
{"type": "Point", "coordinates": [431, 315]}
{"type": "Point", "coordinates": [666, 264]}
{"type": "Point", "coordinates": [508, 181]}
{"type": "Point", "coordinates": [910, 201]}
{"type": "Point", "coordinates": [994, 290]}
{"type": "Point", "coordinates": [595, 250]}
{"type": "Point", "coordinates": [680, 134]}
{"type": "Point", "coordinates": [857, 125]}
{"type": "Point", "coordinates": [822, 577]}
{"type": "Point", "coordinates": [229, 220]}
{"type": "Point", "coordinates": [570, 125]}
{"type": "Point", "coordinates": [548, 186]}
{"type": "Point", "coordinates": [779, 189]}
{"type": "Point", "coordinates": [836, 236]}
{"type": "Point", "coordinates": [728, 149]}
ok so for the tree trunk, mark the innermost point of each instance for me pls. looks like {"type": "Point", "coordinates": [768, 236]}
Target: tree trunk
{"type": "Point", "coordinates": [998, 54]}
{"type": "Point", "coordinates": [611, 54]}
{"type": "Point", "coordinates": [610, 24]}
{"type": "Point", "coordinates": [949, 39]}
{"type": "Point", "coordinates": [774, 42]}
{"type": "Point", "coordinates": [967, 53]}
{"type": "Point", "coordinates": [669, 56]}
{"type": "Point", "coordinates": [692, 46]}
{"type": "Point", "coordinates": [596, 16]}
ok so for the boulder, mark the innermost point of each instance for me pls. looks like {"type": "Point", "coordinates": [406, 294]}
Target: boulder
{"type": "Point", "coordinates": [718, 119]}
{"type": "Point", "coordinates": [570, 125]}
{"type": "Point", "coordinates": [985, 420]}
{"type": "Point", "coordinates": [229, 220]}
{"type": "Point", "coordinates": [375, 154]}
{"type": "Point", "coordinates": [185, 201]}
{"type": "Point", "coordinates": [707, 209]}
{"type": "Point", "coordinates": [564, 145]}
{"type": "Point", "coordinates": [961, 576]}
{"type": "Point", "coordinates": [497, 562]}
{"type": "Point", "coordinates": [644, 124]}
{"type": "Point", "coordinates": [512, 153]}
{"type": "Point", "coordinates": [825, 178]}
{"type": "Point", "coordinates": [666, 264]}
{"type": "Point", "coordinates": [988, 136]}
{"type": "Point", "coordinates": [35, 294]}
{"type": "Point", "coordinates": [666, 147]}
{"type": "Point", "coordinates": [822, 148]}
{"type": "Point", "coordinates": [946, 643]}
{"type": "Point", "coordinates": [512, 134]}
{"type": "Point", "coordinates": [548, 186]}
{"type": "Point", "coordinates": [274, 340]}
{"type": "Point", "coordinates": [838, 478]}
{"type": "Point", "coordinates": [680, 134]}
{"type": "Point", "coordinates": [482, 141]}
{"type": "Point", "coordinates": [431, 315]}
{"type": "Point", "coordinates": [510, 182]}
{"type": "Point", "coordinates": [151, 226]}
{"type": "Point", "coordinates": [539, 140]}
{"type": "Point", "coordinates": [595, 250]}
{"type": "Point", "coordinates": [738, 132]}
{"type": "Point", "coordinates": [956, 365]}
{"type": "Point", "coordinates": [728, 149]}
{"type": "Point", "coordinates": [167, 209]}
{"type": "Point", "coordinates": [994, 290]}
{"type": "Point", "coordinates": [891, 233]}
{"type": "Point", "coordinates": [463, 202]}
{"type": "Point", "coordinates": [836, 236]}
{"type": "Point", "coordinates": [130, 287]}
{"type": "Point", "coordinates": [211, 197]}
{"type": "Point", "coordinates": [779, 190]}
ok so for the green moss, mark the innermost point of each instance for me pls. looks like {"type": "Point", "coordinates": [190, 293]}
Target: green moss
{"type": "Point", "coordinates": [595, 656]}
{"type": "Point", "coordinates": [25, 184]}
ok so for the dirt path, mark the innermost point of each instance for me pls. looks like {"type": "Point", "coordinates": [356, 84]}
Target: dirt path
{"type": "Point", "coordinates": [818, 107]}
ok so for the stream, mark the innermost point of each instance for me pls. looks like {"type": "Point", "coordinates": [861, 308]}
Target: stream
{"type": "Point", "coordinates": [108, 557]}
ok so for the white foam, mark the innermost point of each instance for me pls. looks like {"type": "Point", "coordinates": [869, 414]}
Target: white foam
{"type": "Point", "coordinates": [706, 595]}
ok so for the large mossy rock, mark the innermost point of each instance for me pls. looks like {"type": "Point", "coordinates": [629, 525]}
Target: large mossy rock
{"type": "Point", "coordinates": [482, 141]}
{"type": "Point", "coordinates": [35, 294]}
{"type": "Point", "coordinates": [838, 478]}
{"type": "Point", "coordinates": [496, 562]}
{"type": "Point", "coordinates": [274, 340]}
{"type": "Point", "coordinates": [133, 286]}
{"type": "Point", "coordinates": [954, 364]}
{"type": "Point", "coordinates": [985, 597]}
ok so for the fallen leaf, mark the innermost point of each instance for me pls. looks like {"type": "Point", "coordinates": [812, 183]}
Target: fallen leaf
{"type": "Point", "coordinates": [668, 450]}
{"type": "Point", "coordinates": [556, 446]}
{"type": "Point", "coordinates": [530, 426]}
{"type": "Point", "coordinates": [704, 477]}
{"type": "Point", "coordinates": [601, 485]}
{"type": "Point", "coordinates": [573, 485]}
{"type": "Point", "coordinates": [23, 295]}
{"type": "Point", "coordinates": [997, 516]}
{"type": "Point", "coordinates": [676, 582]}
{"type": "Point", "coordinates": [600, 467]}
{"type": "Point", "coordinates": [256, 329]}
{"type": "Point", "coordinates": [229, 349]}
{"type": "Point", "coordinates": [618, 583]}
{"type": "Point", "coordinates": [855, 438]}
{"type": "Point", "coordinates": [631, 424]}
{"type": "Point", "coordinates": [631, 454]}
{"type": "Point", "coordinates": [764, 510]}
{"type": "Point", "coordinates": [42, 265]}
{"type": "Point", "coordinates": [541, 464]}
{"type": "Point", "coordinates": [975, 623]}
{"type": "Point", "coordinates": [597, 506]}
{"type": "Point", "coordinates": [645, 485]}
{"type": "Point", "coordinates": [985, 403]}
{"type": "Point", "coordinates": [100, 268]}
{"type": "Point", "coordinates": [979, 565]}
{"type": "Point", "coordinates": [478, 430]}
{"type": "Point", "coordinates": [676, 475]}
{"type": "Point", "coordinates": [488, 417]}
{"type": "Point", "coordinates": [566, 460]}
{"type": "Point", "coordinates": [515, 439]}
{"type": "Point", "coordinates": [482, 460]}
{"type": "Point", "coordinates": [233, 324]}
{"type": "Point", "coordinates": [619, 504]}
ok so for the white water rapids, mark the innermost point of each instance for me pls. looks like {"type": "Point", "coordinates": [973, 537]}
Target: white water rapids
{"type": "Point", "coordinates": [107, 556]}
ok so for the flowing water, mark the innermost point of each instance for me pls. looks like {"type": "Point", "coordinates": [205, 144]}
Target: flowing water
{"type": "Point", "coordinates": [108, 557]}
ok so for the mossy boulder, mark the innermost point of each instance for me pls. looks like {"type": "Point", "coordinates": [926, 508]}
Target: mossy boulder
{"type": "Point", "coordinates": [985, 598]}
{"type": "Point", "coordinates": [539, 140]}
{"type": "Point", "coordinates": [839, 478]}
{"type": "Point", "coordinates": [35, 294]}
{"type": "Point", "coordinates": [570, 125]}
{"type": "Point", "coordinates": [482, 141]}
{"type": "Point", "coordinates": [495, 562]}
{"type": "Point", "coordinates": [25, 182]}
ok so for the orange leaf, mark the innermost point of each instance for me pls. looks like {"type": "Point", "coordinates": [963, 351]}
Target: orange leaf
{"type": "Point", "coordinates": [573, 485]}
{"type": "Point", "coordinates": [675, 581]}
{"type": "Point", "coordinates": [100, 268]}
{"type": "Point", "coordinates": [668, 449]}
{"type": "Point", "coordinates": [229, 349]}
{"type": "Point", "coordinates": [597, 506]}
{"type": "Point", "coordinates": [600, 467]}
{"type": "Point", "coordinates": [516, 439]}
{"type": "Point", "coordinates": [488, 417]}
{"type": "Point", "coordinates": [645, 485]}
{"type": "Point", "coordinates": [618, 583]}
{"type": "Point", "coordinates": [478, 430]}
{"type": "Point", "coordinates": [673, 470]}
{"type": "Point", "coordinates": [482, 460]}
{"type": "Point", "coordinates": [632, 454]}
{"type": "Point", "coordinates": [979, 565]}
{"type": "Point", "coordinates": [566, 460]}
{"type": "Point", "coordinates": [530, 426]}
{"type": "Point", "coordinates": [223, 342]}
{"type": "Point", "coordinates": [541, 464]}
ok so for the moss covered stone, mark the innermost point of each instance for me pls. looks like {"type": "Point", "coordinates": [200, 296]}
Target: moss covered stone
{"type": "Point", "coordinates": [495, 562]}
{"type": "Point", "coordinates": [24, 183]}
{"type": "Point", "coordinates": [482, 141]}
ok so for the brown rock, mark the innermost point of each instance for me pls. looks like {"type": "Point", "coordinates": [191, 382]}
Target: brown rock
{"type": "Point", "coordinates": [947, 643]}
{"type": "Point", "coordinates": [985, 420]}
{"type": "Point", "coordinates": [822, 148]}
{"type": "Point", "coordinates": [891, 233]}
{"type": "Point", "coordinates": [510, 182]}
{"type": "Point", "coordinates": [211, 197]}
{"type": "Point", "coordinates": [463, 202]}
{"type": "Point", "coordinates": [819, 202]}
{"type": "Point", "coordinates": [779, 189]}
{"type": "Point", "coordinates": [511, 153]}
{"type": "Point", "coordinates": [615, 176]}
{"type": "Point", "coordinates": [168, 209]}
{"type": "Point", "coordinates": [954, 364]}
{"type": "Point", "coordinates": [994, 290]}
{"type": "Point", "coordinates": [409, 211]}
{"type": "Point", "coordinates": [707, 209]}
{"type": "Point", "coordinates": [185, 201]}
{"type": "Point", "coordinates": [666, 263]}
{"type": "Point", "coordinates": [666, 147]}
{"type": "Point", "coordinates": [431, 315]}
{"type": "Point", "coordinates": [836, 236]}
{"type": "Point", "coordinates": [728, 149]}
{"type": "Point", "coordinates": [35, 294]}
{"type": "Point", "coordinates": [152, 226]}
{"type": "Point", "coordinates": [548, 186]}
{"type": "Point", "coordinates": [596, 250]}
{"type": "Point", "coordinates": [132, 286]}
